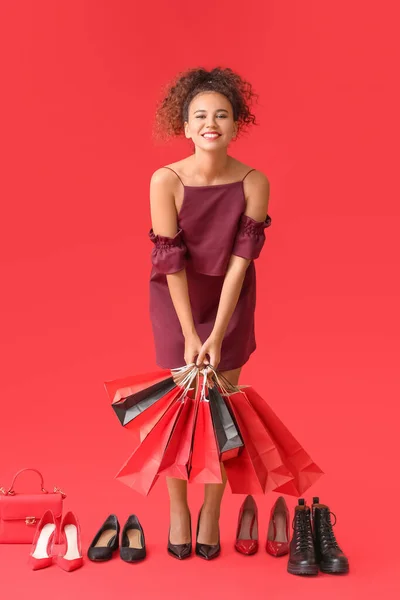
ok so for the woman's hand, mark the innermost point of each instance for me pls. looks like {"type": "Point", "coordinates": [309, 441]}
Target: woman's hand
{"type": "Point", "coordinates": [192, 348]}
{"type": "Point", "coordinates": [212, 347]}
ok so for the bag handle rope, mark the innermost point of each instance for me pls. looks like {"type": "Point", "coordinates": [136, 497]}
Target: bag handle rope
{"type": "Point", "coordinates": [11, 491]}
{"type": "Point", "coordinates": [186, 374]}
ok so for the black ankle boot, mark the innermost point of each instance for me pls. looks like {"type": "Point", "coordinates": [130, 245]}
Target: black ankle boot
{"type": "Point", "coordinates": [329, 555]}
{"type": "Point", "coordinates": [302, 560]}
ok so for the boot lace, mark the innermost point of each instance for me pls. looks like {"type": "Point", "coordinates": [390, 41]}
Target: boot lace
{"type": "Point", "coordinates": [327, 535]}
{"type": "Point", "coordinates": [302, 528]}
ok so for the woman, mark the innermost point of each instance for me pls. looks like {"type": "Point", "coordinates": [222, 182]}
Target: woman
{"type": "Point", "coordinates": [208, 214]}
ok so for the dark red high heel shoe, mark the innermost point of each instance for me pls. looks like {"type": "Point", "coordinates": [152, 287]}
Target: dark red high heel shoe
{"type": "Point", "coordinates": [278, 536]}
{"type": "Point", "coordinates": [247, 528]}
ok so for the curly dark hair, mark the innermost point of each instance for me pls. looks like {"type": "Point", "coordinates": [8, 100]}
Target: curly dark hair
{"type": "Point", "coordinates": [173, 110]}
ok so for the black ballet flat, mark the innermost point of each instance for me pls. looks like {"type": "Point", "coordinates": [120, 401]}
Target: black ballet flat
{"type": "Point", "coordinates": [181, 551]}
{"type": "Point", "coordinates": [207, 551]}
{"type": "Point", "coordinates": [133, 545]}
{"type": "Point", "coordinates": [105, 542]}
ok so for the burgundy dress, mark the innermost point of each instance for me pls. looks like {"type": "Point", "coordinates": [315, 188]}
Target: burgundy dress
{"type": "Point", "coordinates": [211, 226]}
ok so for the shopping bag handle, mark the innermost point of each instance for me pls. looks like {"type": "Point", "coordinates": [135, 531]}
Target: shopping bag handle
{"type": "Point", "coordinates": [226, 386]}
{"type": "Point", "coordinates": [185, 376]}
{"type": "Point", "coordinates": [11, 492]}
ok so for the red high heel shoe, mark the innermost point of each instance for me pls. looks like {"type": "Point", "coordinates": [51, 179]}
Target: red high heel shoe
{"type": "Point", "coordinates": [42, 551]}
{"type": "Point", "coordinates": [247, 528]}
{"type": "Point", "coordinates": [278, 536]}
{"type": "Point", "coordinates": [70, 539]}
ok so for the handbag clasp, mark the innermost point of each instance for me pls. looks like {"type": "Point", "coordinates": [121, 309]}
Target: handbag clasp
{"type": "Point", "coordinates": [58, 490]}
{"type": "Point", "coordinates": [30, 520]}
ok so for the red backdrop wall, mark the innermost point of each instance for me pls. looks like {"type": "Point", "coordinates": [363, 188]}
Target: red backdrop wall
{"type": "Point", "coordinates": [80, 81]}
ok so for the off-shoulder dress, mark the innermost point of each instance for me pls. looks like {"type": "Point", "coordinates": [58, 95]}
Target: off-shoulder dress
{"type": "Point", "coordinates": [211, 227]}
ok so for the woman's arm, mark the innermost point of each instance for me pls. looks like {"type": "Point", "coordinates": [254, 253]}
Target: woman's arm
{"type": "Point", "coordinates": [257, 198]}
{"type": "Point", "coordinates": [164, 222]}
{"type": "Point", "coordinates": [230, 293]}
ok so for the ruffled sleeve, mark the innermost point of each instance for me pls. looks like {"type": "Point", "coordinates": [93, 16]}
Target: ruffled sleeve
{"type": "Point", "coordinates": [168, 253]}
{"type": "Point", "coordinates": [250, 237]}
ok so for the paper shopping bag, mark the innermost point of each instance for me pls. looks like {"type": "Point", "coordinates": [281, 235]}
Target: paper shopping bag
{"type": "Point", "coordinates": [253, 462]}
{"type": "Point", "coordinates": [226, 430]}
{"type": "Point", "coordinates": [303, 470]}
{"type": "Point", "coordinates": [140, 471]}
{"type": "Point", "coordinates": [117, 389]}
{"type": "Point", "coordinates": [132, 395]}
{"type": "Point", "coordinates": [258, 439]}
{"type": "Point", "coordinates": [243, 477]}
{"type": "Point", "coordinates": [205, 465]}
{"type": "Point", "coordinates": [176, 457]}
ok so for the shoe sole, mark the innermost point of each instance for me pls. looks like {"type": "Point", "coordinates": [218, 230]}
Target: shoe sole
{"type": "Point", "coordinates": [179, 557]}
{"type": "Point", "coordinates": [302, 569]}
{"type": "Point", "coordinates": [136, 560]}
{"type": "Point", "coordinates": [334, 570]}
{"type": "Point", "coordinates": [246, 553]}
{"type": "Point", "coordinates": [209, 558]}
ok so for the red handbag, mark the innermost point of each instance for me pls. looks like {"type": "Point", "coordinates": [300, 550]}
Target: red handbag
{"type": "Point", "coordinates": [20, 512]}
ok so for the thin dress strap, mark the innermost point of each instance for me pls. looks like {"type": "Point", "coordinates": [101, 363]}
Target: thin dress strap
{"type": "Point", "coordinates": [248, 173]}
{"type": "Point", "coordinates": [175, 174]}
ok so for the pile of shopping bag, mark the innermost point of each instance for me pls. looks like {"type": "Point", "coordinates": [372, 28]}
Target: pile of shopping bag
{"type": "Point", "coordinates": [186, 424]}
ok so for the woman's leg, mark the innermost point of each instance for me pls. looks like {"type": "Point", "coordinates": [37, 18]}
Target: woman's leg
{"type": "Point", "coordinates": [213, 492]}
{"type": "Point", "coordinates": [178, 506]}
{"type": "Point", "coordinates": [179, 511]}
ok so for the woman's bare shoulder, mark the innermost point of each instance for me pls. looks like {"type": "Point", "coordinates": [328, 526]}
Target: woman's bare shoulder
{"type": "Point", "coordinates": [165, 177]}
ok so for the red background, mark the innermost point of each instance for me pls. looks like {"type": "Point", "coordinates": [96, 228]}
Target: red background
{"type": "Point", "coordinates": [80, 81]}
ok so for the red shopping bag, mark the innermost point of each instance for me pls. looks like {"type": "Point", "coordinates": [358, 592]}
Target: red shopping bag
{"type": "Point", "coordinates": [259, 442]}
{"type": "Point", "coordinates": [177, 454]}
{"type": "Point", "coordinates": [252, 456]}
{"type": "Point", "coordinates": [242, 475]}
{"type": "Point", "coordinates": [140, 471]}
{"type": "Point", "coordinates": [143, 392]}
{"type": "Point", "coordinates": [118, 389]}
{"type": "Point", "coordinates": [303, 470]}
{"type": "Point", "coordinates": [147, 420]}
{"type": "Point", "coordinates": [205, 465]}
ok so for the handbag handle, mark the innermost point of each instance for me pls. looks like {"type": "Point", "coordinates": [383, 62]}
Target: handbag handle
{"type": "Point", "coordinates": [11, 491]}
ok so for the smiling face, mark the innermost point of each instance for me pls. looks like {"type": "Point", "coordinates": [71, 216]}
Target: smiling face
{"type": "Point", "coordinates": [210, 112]}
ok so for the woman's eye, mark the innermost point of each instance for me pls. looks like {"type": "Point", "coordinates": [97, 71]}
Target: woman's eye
{"type": "Point", "coordinates": [201, 116]}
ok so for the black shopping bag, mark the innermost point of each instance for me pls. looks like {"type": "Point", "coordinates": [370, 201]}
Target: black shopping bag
{"type": "Point", "coordinates": [226, 430]}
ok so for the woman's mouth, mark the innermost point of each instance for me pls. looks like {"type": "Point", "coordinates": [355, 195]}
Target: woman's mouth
{"type": "Point", "coordinates": [211, 136]}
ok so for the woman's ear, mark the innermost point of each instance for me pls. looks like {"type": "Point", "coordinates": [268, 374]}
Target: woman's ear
{"type": "Point", "coordinates": [186, 129]}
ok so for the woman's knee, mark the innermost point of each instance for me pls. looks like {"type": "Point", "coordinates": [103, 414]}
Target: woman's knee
{"type": "Point", "coordinates": [233, 375]}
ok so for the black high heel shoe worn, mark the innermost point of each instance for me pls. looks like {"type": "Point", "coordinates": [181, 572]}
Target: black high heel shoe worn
{"type": "Point", "coordinates": [181, 551]}
{"type": "Point", "coordinates": [206, 551]}
{"type": "Point", "coordinates": [105, 542]}
{"type": "Point", "coordinates": [133, 545]}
